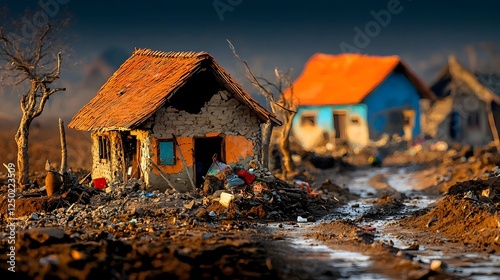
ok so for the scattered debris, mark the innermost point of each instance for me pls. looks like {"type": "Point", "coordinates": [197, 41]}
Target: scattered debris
{"type": "Point", "coordinates": [226, 198]}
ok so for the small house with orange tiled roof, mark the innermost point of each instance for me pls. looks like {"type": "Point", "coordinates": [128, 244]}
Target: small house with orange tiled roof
{"type": "Point", "coordinates": [352, 98]}
{"type": "Point", "coordinates": [162, 116]}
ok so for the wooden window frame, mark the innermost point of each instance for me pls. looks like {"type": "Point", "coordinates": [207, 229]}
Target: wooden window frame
{"type": "Point", "coordinates": [308, 116]}
{"type": "Point", "coordinates": [160, 161]}
{"type": "Point", "coordinates": [104, 147]}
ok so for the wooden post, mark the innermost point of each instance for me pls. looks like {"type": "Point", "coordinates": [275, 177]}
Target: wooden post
{"type": "Point", "coordinates": [267, 130]}
{"type": "Point", "coordinates": [64, 151]}
{"type": "Point", "coordinates": [63, 171]}
{"type": "Point", "coordinates": [184, 162]}
{"type": "Point", "coordinates": [161, 174]}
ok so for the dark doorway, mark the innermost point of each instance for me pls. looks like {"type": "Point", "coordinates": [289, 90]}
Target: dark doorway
{"type": "Point", "coordinates": [132, 148]}
{"type": "Point", "coordinates": [339, 124]}
{"type": "Point", "coordinates": [455, 126]}
{"type": "Point", "coordinates": [204, 150]}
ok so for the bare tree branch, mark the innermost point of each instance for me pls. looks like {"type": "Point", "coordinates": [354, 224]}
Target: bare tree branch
{"type": "Point", "coordinates": [285, 108]}
{"type": "Point", "coordinates": [255, 81]}
{"type": "Point", "coordinates": [268, 83]}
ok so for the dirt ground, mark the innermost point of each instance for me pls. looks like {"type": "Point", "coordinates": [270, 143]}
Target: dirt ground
{"type": "Point", "coordinates": [129, 233]}
{"type": "Point", "coordinates": [469, 214]}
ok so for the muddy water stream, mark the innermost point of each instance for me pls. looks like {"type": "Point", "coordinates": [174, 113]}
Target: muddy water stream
{"type": "Point", "coordinates": [353, 265]}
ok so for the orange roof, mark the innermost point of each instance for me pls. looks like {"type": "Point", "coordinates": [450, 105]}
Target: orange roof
{"type": "Point", "coordinates": [141, 86]}
{"type": "Point", "coordinates": [347, 78]}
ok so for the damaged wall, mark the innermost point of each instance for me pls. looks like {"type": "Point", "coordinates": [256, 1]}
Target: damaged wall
{"type": "Point", "coordinates": [222, 116]}
{"type": "Point", "coordinates": [144, 136]}
{"type": "Point", "coordinates": [110, 166]}
{"type": "Point", "coordinates": [459, 118]}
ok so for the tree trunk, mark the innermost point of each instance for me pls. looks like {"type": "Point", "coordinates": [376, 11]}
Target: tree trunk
{"type": "Point", "coordinates": [284, 145]}
{"type": "Point", "coordinates": [267, 129]}
{"type": "Point", "coordinates": [64, 152]}
{"type": "Point", "coordinates": [22, 153]}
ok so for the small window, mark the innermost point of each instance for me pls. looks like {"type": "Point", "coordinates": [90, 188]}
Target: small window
{"type": "Point", "coordinates": [355, 120]}
{"type": "Point", "coordinates": [103, 147]}
{"type": "Point", "coordinates": [166, 152]}
{"type": "Point", "coordinates": [308, 119]}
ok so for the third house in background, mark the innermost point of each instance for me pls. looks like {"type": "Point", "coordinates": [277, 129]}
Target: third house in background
{"type": "Point", "coordinates": [467, 110]}
{"type": "Point", "coordinates": [353, 98]}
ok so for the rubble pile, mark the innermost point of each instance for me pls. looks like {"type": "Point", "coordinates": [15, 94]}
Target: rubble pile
{"type": "Point", "coordinates": [465, 163]}
{"type": "Point", "coordinates": [236, 193]}
{"type": "Point", "coordinates": [468, 214]}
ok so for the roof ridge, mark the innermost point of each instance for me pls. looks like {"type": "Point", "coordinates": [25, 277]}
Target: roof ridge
{"type": "Point", "coordinates": [170, 54]}
{"type": "Point", "coordinates": [356, 54]}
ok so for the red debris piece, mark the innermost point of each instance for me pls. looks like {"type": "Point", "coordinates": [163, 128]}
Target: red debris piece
{"type": "Point", "coordinates": [246, 176]}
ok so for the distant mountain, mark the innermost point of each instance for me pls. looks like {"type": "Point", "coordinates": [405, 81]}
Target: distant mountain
{"type": "Point", "coordinates": [100, 69]}
{"type": "Point", "coordinates": [78, 92]}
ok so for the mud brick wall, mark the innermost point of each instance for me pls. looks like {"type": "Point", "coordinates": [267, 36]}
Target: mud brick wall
{"type": "Point", "coordinates": [111, 168]}
{"type": "Point", "coordinates": [223, 114]}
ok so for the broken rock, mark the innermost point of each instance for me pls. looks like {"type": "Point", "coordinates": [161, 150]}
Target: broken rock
{"type": "Point", "coordinates": [189, 205]}
{"type": "Point", "coordinates": [301, 219]}
{"type": "Point", "coordinates": [437, 265]}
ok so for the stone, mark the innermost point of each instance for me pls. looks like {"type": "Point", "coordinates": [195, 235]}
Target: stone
{"type": "Point", "coordinates": [49, 260]}
{"type": "Point", "coordinates": [437, 265]}
{"type": "Point", "coordinates": [301, 219]}
{"type": "Point", "coordinates": [414, 246]}
{"type": "Point", "coordinates": [489, 193]}
{"type": "Point", "coordinates": [138, 211]}
{"type": "Point", "coordinates": [189, 205]}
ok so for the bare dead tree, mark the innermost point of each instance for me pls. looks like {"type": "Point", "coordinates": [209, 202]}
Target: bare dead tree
{"type": "Point", "coordinates": [34, 63]}
{"type": "Point", "coordinates": [285, 108]}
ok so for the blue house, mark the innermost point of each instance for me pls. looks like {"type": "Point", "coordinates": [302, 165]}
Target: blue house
{"type": "Point", "coordinates": [353, 98]}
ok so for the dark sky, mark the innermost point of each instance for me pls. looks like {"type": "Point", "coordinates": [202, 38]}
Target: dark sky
{"type": "Point", "coordinates": [272, 34]}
